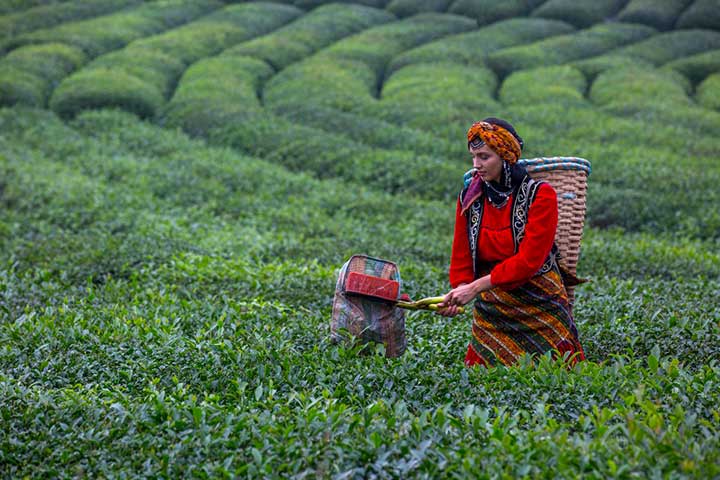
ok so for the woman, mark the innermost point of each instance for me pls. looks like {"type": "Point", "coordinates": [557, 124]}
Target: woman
{"type": "Point", "coordinates": [504, 256]}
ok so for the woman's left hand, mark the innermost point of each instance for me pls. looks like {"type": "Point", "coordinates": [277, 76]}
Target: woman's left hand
{"type": "Point", "coordinates": [460, 296]}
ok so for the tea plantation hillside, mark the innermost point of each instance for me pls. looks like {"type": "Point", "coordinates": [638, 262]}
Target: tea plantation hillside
{"type": "Point", "coordinates": [180, 181]}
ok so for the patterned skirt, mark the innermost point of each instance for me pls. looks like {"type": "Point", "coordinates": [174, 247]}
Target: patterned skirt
{"type": "Point", "coordinates": [534, 318]}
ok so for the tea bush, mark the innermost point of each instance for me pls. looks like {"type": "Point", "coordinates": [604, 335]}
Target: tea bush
{"type": "Point", "coordinates": [580, 14]}
{"type": "Point", "coordinates": [566, 48]}
{"type": "Point", "coordinates": [36, 70]}
{"type": "Point", "coordinates": [319, 28]}
{"type": "Point", "coordinates": [406, 8]}
{"type": "Point", "coordinates": [700, 14]}
{"type": "Point", "coordinates": [561, 84]}
{"type": "Point", "coordinates": [661, 15]}
{"type": "Point", "coordinates": [487, 11]}
{"type": "Point", "coordinates": [697, 67]}
{"type": "Point", "coordinates": [707, 92]}
{"type": "Point", "coordinates": [669, 46]}
{"type": "Point", "coordinates": [102, 34]}
{"type": "Point", "coordinates": [158, 61]}
{"type": "Point", "coordinates": [623, 87]}
{"type": "Point", "coordinates": [472, 47]}
{"type": "Point", "coordinates": [44, 16]}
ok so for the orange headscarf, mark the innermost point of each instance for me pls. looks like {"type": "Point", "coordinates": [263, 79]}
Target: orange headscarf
{"type": "Point", "coordinates": [499, 139]}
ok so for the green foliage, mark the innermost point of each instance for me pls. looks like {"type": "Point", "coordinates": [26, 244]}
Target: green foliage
{"type": "Point", "coordinates": [20, 87]}
{"type": "Point", "coordinates": [216, 91]}
{"type": "Point", "coordinates": [697, 67]}
{"type": "Point", "coordinates": [708, 92]}
{"type": "Point", "coordinates": [471, 47]}
{"type": "Point", "coordinates": [309, 4]}
{"type": "Point", "coordinates": [30, 73]}
{"type": "Point", "coordinates": [52, 13]}
{"type": "Point", "coordinates": [668, 46]}
{"type": "Point", "coordinates": [317, 29]}
{"type": "Point", "coordinates": [566, 48]}
{"type": "Point", "coordinates": [406, 8]}
{"type": "Point", "coordinates": [560, 84]}
{"type": "Point", "coordinates": [109, 32]}
{"type": "Point", "coordinates": [102, 87]}
{"type": "Point", "coordinates": [164, 300]}
{"type": "Point", "coordinates": [659, 14]}
{"type": "Point", "coordinates": [626, 87]}
{"type": "Point", "coordinates": [580, 14]}
{"type": "Point", "coordinates": [700, 14]}
{"type": "Point", "coordinates": [488, 11]}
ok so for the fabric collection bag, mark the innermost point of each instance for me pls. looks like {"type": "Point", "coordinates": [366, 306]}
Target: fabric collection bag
{"type": "Point", "coordinates": [364, 319]}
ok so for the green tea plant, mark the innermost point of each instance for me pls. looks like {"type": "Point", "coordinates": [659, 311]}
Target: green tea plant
{"type": "Point", "coordinates": [487, 12]}
{"type": "Point", "coordinates": [406, 8]}
{"type": "Point", "coordinates": [661, 15]}
{"type": "Point", "coordinates": [581, 14]}
{"type": "Point", "coordinates": [700, 14]}
{"type": "Point", "coordinates": [697, 67]}
{"type": "Point", "coordinates": [45, 14]}
{"type": "Point", "coordinates": [707, 92]}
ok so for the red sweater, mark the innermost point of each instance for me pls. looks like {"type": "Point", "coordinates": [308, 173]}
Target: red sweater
{"type": "Point", "coordinates": [496, 243]}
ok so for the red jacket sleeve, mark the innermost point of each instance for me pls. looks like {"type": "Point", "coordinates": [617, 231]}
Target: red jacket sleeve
{"type": "Point", "coordinates": [535, 246]}
{"type": "Point", "coordinates": [461, 267]}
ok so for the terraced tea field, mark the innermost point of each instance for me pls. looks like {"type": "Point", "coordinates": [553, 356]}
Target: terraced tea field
{"type": "Point", "coordinates": [181, 179]}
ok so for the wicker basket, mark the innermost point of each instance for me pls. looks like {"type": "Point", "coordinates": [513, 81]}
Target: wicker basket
{"type": "Point", "coordinates": [568, 176]}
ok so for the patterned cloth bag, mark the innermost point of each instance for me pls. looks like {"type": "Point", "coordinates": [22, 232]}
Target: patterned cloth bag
{"type": "Point", "coordinates": [363, 318]}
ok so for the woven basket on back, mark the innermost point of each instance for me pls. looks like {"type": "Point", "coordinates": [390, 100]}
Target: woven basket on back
{"type": "Point", "coordinates": [568, 176]}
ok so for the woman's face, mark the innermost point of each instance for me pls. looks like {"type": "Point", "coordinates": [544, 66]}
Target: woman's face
{"type": "Point", "coordinates": [487, 162]}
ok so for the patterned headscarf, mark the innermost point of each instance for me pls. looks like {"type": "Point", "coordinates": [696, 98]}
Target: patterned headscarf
{"type": "Point", "coordinates": [499, 139]}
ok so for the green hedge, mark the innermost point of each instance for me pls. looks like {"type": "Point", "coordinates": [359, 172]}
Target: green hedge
{"type": "Point", "coordinates": [377, 46]}
{"type": "Point", "coordinates": [668, 46]}
{"type": "Point", "coordinates": [593, 67]}
{"type": "Point", "coordinates": [101, 87]}
{"type": "Point", "coordinates": [560, 85]}
{"type": "Point", "coordinates": [17, 6]}
{"type": "Point", "coordinates": [701, 14]}
{"type": "Point", "coordinates": [30, 73]}
{"type": "Point", "coordinates": [471, 47]}
{"type": "Point", "coordinates": [441, 99]}
{"type": "Point", "coordinates": [660, 14]}
{"type": "Point", "coordinates": [408, 8]}
{"type": "Point", "coordinates": [489, 11]}
{"type": "Point", "coordinates": [697, 67]}
{"type": "Point", "coordinates": [308, 4]}
{"type": "Point", "coordinates": [44, 16]}
{"type": "Point", "coordinates": [102, 34]}
{"type": "Point", "coordinates": [21, 87]}
{"type": "Point", "coordinates": [216, 91]}
{"type": "Point", "coordinates": [708, 92]}
{"type": "Point", "coordinates": [579, 13]}
{"type": "Point", "coordinates": [311, 32]}
{"type": "Point", "coordinates": [639, 87]}
{"type": "Point", "coordinates": [158, 61]}
{"type": "Point", "coordinates": [566, 48]}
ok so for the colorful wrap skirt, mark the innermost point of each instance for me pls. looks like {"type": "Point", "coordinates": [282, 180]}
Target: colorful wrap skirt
{"type": "Point", "coordinates": [532, 319]}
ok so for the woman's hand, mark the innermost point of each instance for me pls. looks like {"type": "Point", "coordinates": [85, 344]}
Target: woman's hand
{"type": "Point", "coordinates": [462, 295]}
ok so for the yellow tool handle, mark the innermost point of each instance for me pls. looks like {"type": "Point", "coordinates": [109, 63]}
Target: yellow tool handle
{"type": "Point", "coordinates": [429, 303]}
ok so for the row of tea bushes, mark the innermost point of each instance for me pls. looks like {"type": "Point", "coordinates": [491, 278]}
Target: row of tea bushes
{"type": "Point", "coordinates": [29, 74]}
{"type": "Point", "coordinates": [315, 30]}
{"type": "Point", "coordinates": [668, 46]}
{"type": "Point", "coordinates": [472, 47]}
{"type": "Point", "coordinates": [53, 13]}
{"type": "Point", "coordinates": [567, 48]}
{"type": "Point", "coordinates": [700, 14]}
{"type": "Point", "coordinates": [66, 47]}
{"type": "Point", "coordinates": [559, 84]}
{"type": "Point", "coordinates": [109, 32]}
{"type": "Point", "coordinates": [408, 8]}
{"type": "Point", "coordinates": [17, 6]}
{"type": "Point", "coordinates": [582, 14]}
{"type": "Point", "coordinates": [697, 67]}
{"type": "Point", "coordinates": [708, 92]}
{"type": "Point", "coordinates": [659, 14]}
{"type": "Point", "coordinates": [490, 11]}
{"type": "Point", "coordinates": [140, 77]}
{"type": "Point", "coordinates": [624, 88]}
